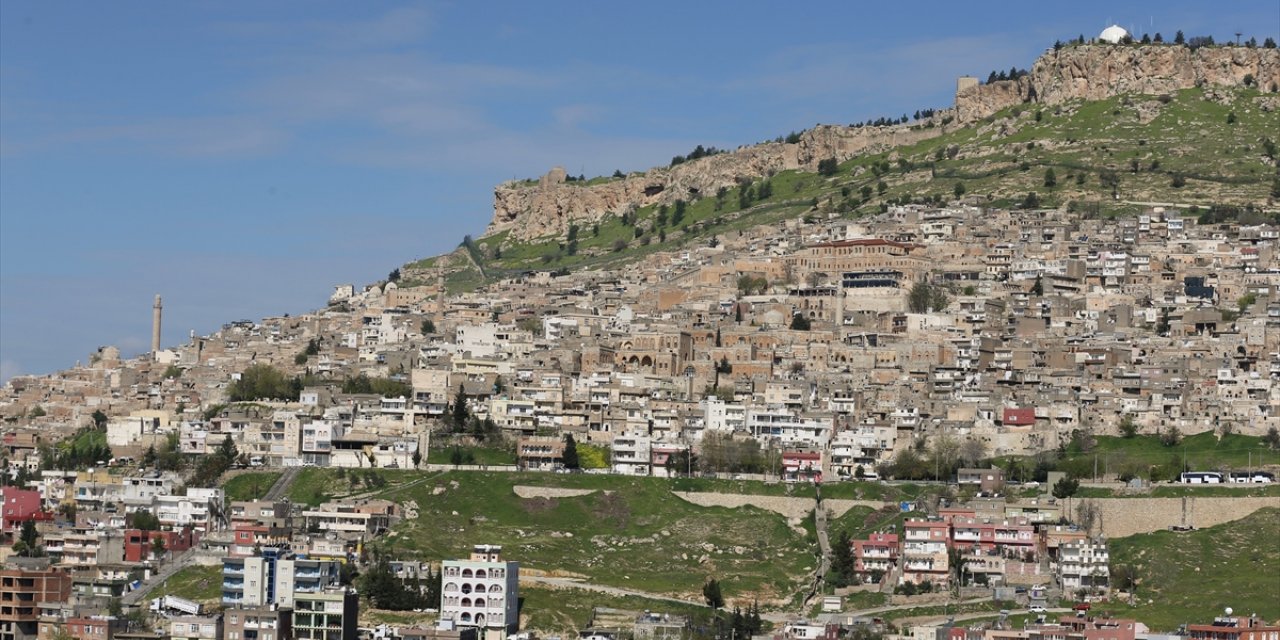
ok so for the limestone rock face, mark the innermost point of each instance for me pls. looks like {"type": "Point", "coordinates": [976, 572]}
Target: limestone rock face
{"type": "Point", "coordinates": [547, 209]}
{"type": "Point", "coordinates": [1095, 72]}
{"type": "Point", "coordinates": [1089, 72]}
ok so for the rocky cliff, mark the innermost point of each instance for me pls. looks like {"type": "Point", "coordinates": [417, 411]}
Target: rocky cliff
{"type": "Point", "coordinates": [547, 208]}
{"type": "Point", "coordinates": [1088, 72]}
{"type": "Point", "coordinates": [1095, 72]}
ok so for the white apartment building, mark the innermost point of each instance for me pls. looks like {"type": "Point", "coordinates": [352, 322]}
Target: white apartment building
{"type": "Point", "coordinates": [724, 417]}
{"type": "Point", "coordinates": [483, 592]}
{"type": "Point", "coordinates": [1084, 565]}
{"type": "Point", "coordinates": [631, 454]}
{"type": "Point", "coordinates": [775, 425]}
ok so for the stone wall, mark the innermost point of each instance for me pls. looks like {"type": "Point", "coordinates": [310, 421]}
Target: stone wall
{"type": "Point", "coordinates": [526, 491]}
{"type": "Point", "coordinates": [791, 508]}
{"type": "Point", "coordinates": [1126, 516]}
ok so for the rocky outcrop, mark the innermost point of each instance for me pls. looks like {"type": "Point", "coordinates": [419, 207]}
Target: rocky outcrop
{"type": "Point", "coordinates": [1090, 72]}
{"type": "Point", "coordinates": [548, 207]}
{"type": "Point", "coordinates": [1095, 72]}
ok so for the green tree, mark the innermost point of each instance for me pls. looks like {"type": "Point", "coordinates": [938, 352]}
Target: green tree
{"type": "Point", "coordinates": [262, 382]}
{"type": "Point", "coordinates": [99, 418]}
{"type": "Point", "coordinates": [1171, 437]}
{"type": "Point", "coordinates": [459, 410]}
{"type": "Point", "coordinates": [828, 167]}
{"type": "Point", "coordinates": [711, 593]}
{"type": "Point", "coordinates": [417, 458]}
{"type": "Point", "coordinates": [925, 297]}
{"type": "Point", "coordinates": [842, 562]}
{"type": "Point", "coordinates": [28, 545]}
{"type": "Point", "coordinates": [958, 189]}
{"type": "Point", "coordinates": [227, 449]}
{"type": "Point", "coordinates": [1050, 178]}
{"type": "Point", "coordinates": [157, 546]}
{"type": "Point", "coordinates": [143, 520]}
{"type": "Point", "coordinates": [428, 326]}
{"type": "Point", "coordinates": [1065, 488]}
{"type": "Point", "coordinates": [1272, 439]}
{"type": "Point", "coordinates": [1037, 289]}
{"type": "Point", "coordinates": [799, 322]}
{"type": "Point", "coordinates": [571, 453]}
{"type": "Point", "coordinates": [1128, 428]}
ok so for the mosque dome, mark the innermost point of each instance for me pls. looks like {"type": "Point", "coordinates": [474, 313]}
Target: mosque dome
{"type": "Point", "coordinates": [1113, 34]}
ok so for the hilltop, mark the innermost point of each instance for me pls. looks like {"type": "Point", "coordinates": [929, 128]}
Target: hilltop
{"type": "Point", "coordinates": [1116, 124]}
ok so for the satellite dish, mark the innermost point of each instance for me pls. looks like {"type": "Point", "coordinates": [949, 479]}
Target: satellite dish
{"type": "Point", "coordinates": [1230, 611]}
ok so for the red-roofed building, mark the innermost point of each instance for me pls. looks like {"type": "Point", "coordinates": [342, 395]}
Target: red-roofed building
{"type": "Point", "coordinates": [879, 552]}
{"type": "Point", "coordinates": [1234, 628]}
{"type": "Point", "coordinates": [1024, 417]}
{"type": "Point", "coordinates": [798, 466]}
{"type": "Point", "coordinates": [20, 505]}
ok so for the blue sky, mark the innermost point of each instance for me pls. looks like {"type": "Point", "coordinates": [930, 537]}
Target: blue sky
{"type": "Point", "coordinates": [242, 158]}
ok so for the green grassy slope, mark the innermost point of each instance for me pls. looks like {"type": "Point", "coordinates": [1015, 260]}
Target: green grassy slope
{"type": "Point", "coordinates": [250, 486]}
{"type": "Point", "coordinates": [1191, 577]}
{"type": "Point", "coordinates": [631, 533]}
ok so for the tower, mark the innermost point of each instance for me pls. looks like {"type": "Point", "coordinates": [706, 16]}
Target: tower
{"type": "Point", "coordinates": [155, 326]}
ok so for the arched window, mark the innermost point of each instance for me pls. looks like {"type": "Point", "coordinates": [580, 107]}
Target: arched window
{"type": "Point", "coordinates": [466, 573]}
{"type": "Point", "coordinates": [480, 573]}
{"type": "Point", "coordinates": [466, 617]}
{"type": "Point", "coordinates": [466, 587]}
{"type": "Point", "coordinates": [497, 588]}
{"type": "Point", "coordinates": [466, 602]}
{"type": "Point", "coordinates": [450, 587]}
{"type": "Point", "coordinates": [480, 603]}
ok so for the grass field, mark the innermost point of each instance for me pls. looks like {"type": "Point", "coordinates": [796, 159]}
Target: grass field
{"type": "Point", "coordinates": [315, 486]}
{"type": "Point", "coordinates": [479, 455]}
{"type": "Point", "coordinates": [564, 612]}
{"type": "Point", "coordinates": [1140, 455]}
{"type": "Point", "coordinates": [631, 533]}
{"type": "Point", "coordinates": [200, 583]}
{"type": "Point", "coordinates": [1191, 577]}
{"type": "Point", "coordinates": [250, 486]}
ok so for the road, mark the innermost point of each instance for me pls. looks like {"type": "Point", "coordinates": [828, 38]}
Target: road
{"type": "Point", "coordinates": [824, 549]}
{"type": "Point", "coordinates": [776, 617]}
{"type": "Point", "coordinates": [970, 616]}
{"type": "Point", "coordinates": [185, 559]}
{"type": "Point", "coordinates": [282, 484]}
{"type": "Point", "coordinates": [174, 565]}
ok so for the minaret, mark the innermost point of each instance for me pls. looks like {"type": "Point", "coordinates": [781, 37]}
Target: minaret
{"type": "Point", "coordinates": [155, 326]}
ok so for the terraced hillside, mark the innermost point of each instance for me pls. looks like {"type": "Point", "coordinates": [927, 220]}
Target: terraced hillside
{"type": "Point", "coordinates": [1200, 147]}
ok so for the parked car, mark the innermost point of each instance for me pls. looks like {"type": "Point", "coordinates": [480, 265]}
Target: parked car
{"type": "Point", "coordinates": [1037, 608]}
{"type": "Point", "coordinates": [1081, 606]}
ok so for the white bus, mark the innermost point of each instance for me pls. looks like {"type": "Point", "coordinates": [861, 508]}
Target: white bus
{"type": "Point", "coordinates": [1251, 477]}
{"type": "Point", "coordinates": [1201, 477]}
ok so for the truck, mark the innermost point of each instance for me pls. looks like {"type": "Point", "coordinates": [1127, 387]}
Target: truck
{"type": "Point", "coordinates": [164, 604]}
